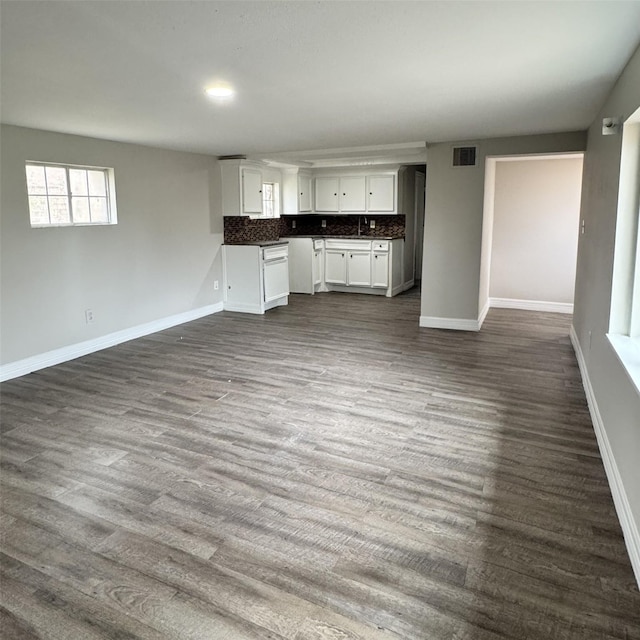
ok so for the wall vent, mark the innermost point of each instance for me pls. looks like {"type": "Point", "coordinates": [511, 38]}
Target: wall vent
{"type": "Point", "coordinates": [464, 156]}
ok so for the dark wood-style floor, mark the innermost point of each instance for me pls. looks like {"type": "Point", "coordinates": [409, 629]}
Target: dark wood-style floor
{"type": "Point", "coordinates": [328, 470]}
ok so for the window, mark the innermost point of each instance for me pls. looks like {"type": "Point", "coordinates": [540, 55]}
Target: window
{"type": "Point", "coordinates": [270, 199]}
{"type": "Point", "coordinates": [67, 195]}
{"type": "Point", "coordinates": [624, 323]}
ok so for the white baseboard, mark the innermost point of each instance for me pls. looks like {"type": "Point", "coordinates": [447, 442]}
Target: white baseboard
{"type": "Point", "coordinates": [458, 324]}
{"type": "Point", "coordinates": [620, 500]}
{"type": "Point", "coordinates": [483, 313]}
{"type": "Point", "coordinates": [531, 305]}
{"type": "Point", "coordinates": [64, 354]}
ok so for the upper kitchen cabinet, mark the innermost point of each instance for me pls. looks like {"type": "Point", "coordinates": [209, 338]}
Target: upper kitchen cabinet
{"type": "Point", "coordinates": [352, 194]}
{"type": "Point", "coordinates": [345, 191]}
{"type": "Point", "coordinates": [243, 188]}
{"type": "Point", "coordinates": [251, 193]}
{"type": "Point", "coordinates": [297, 191]}
{"type": "Point", "coordinates": [327, 189]}
{"type": "Point", "coordinates": [305, 201]}
{"type": "Point", "coordinates": [381, 193]}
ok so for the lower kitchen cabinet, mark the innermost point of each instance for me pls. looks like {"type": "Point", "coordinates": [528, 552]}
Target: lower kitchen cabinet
{"type": "Point", "coordinates": [359, 268]}
{"type": "Point", "coordinates": [380, 269]}
{"type": "Point", "coordinates": [318, 263]}
{"type": "Point", "coordinates": [256, 278]}
{"type": "Point", "coordinates": [350, 265]}
{"type": "Point", "coordinates": [335, 266]}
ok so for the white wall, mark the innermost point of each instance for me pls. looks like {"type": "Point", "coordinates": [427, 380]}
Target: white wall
{"type": "Point", "coordinates": [453, 233]}
{"type": "Point", "coordinates": [159, 260]}
{"type": "Point", "coordinates": [614, 400]}
{"type": "Point", "coordinates": [535, 229]}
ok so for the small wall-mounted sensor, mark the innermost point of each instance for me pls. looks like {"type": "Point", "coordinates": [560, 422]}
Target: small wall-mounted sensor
{"type": "Point", "coordinates": [610, 126]}
{"type": "Point", "coordinates": [324, 224]}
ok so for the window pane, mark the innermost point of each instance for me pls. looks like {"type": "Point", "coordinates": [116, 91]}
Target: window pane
{"type": "Point", "coordinates": [78, 179]}
{"type": "Point", "coordinates": [38, 210]}
{"type": "Point", "coordinates": [267, 191]}
{"type": "Point", "coordinates": [97, 183]}
{"type": "Point", "coordinates": [59, 208]}
{"type": "Point", "coordinates": [80, 209]}
{"type": "Point", "coordinates": [99, 210]}
{"type": "Point", "coordinates": [56, 181]}
{"type": "Point", "coordinates": [267, 208]}
{"type": "Point", "coordinates": [35, 179]}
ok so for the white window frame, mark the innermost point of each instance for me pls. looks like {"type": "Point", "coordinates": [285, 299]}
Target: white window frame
{"type": "Point", "coordinates": [108, 173]}
{"type": "Point", "coordinates": [271, 203]}
{"type": "Point", "coordinates": [624, 321]}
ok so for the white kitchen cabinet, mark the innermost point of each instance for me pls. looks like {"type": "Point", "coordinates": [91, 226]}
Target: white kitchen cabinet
{"type": "Point", "coordinates": [352, 194]}
{"type": "Point", "coordinates": [301, 265]}
{"type": "Point", "coordinates": [359, 268]}
{"type": "Point", "coordinates": [380, 270]}
{"type": "Point", "coordinates": [318, 263]}
{"type": "Point", "coordinates": [381, 193]}
{"type": "Point", "coordinates": [256, 278]}
{"type": "Point", "coordinates": [326, 194]}
{"type": "Point", "coordinates": [251, 191]}
{"type": "Point", "coordinates": [357, 193]}
{"type": "Point", "coordinates": [241, 188]}
{"type": "Point", "coordinates": [305, 203]}
{"type": "Point", "coordinates": [335, 266]}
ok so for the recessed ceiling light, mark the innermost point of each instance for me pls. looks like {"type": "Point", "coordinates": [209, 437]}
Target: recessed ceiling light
{"type": "Point", "coordinates": [219, 91]}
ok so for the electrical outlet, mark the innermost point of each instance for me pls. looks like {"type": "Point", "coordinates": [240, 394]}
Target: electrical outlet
{"type": "Point", "coordinates": [88, 316]}
{"type": "Point", "coordinates": [324, 224]}
{"type": "Point", "coordinates": [216, 285]}
{"type": "Point", "coordinates": [372, 224]}
{"type": "Point", "coordinates": [293, 224]}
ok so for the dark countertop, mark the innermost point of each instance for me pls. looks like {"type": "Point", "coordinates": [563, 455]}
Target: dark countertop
{"type": "Point", "coordinates": [259, 243]}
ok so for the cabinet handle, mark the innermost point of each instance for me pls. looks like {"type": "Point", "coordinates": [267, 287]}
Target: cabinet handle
{"type": "Point", "coordinates": [370, 193]}
{"type": "Point", "coordinates": [376, 257]}
{"type": "Point", "coordinates": [343, 255]}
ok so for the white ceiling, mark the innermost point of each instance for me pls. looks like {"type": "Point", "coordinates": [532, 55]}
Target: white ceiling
{"type": "Point", "coordinates": [310, 75]}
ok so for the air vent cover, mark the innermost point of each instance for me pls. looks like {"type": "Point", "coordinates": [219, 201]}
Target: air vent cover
{"type": "Point", "coordinates": [464, 156]}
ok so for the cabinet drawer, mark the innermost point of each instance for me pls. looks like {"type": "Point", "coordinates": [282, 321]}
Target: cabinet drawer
{"type": "Point", "coordinates": [381, 245]}
{"type": "Point", "coordinates": [272, 253]}
{"type": "Point", "coordinates": [348, 245]}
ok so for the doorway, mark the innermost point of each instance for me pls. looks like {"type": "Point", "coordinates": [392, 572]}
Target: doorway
{"type": "Point", "coordinates": [530, 232]}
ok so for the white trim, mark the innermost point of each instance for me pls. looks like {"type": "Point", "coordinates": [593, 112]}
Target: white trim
{"type": "Point", "coordinates": [64, 354]}
{"type": "Point", "coordinates": [458, 324]}
{"type": "Point", "coordinates": [628, 351]}
{"type": "Point", "coordinates": [620, 499]}
{"type": "Point", "coordinates": [483, 313]}
{"type": "Point", "coordinates": [531, 305]}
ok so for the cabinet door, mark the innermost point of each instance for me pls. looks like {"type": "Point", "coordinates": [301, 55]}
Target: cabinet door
{"type": "Point", "coordinates": [335, 266]}
{"type": "Point", "coordinates": [380, 270]}
{"type": "Point", "coordinates": [359, 269]}
{"type": "Point", "coordinates": [317, 266]}
{"type": "Point", "coordinates": [327, 194]}
{"type": "Point", "coordinates": [352, 193]}
{"type": "Point", "coordinates": [381, 193]}
{"type": "Point", "coordinates": [304, 193]}
{"type": "Point", "coordinates": [251, 191]}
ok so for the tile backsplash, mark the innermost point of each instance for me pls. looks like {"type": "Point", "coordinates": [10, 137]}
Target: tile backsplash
{"type": "Point", "coordinates": [241, 229]}
{"type": "Point", "coordinates": [311, 225]}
